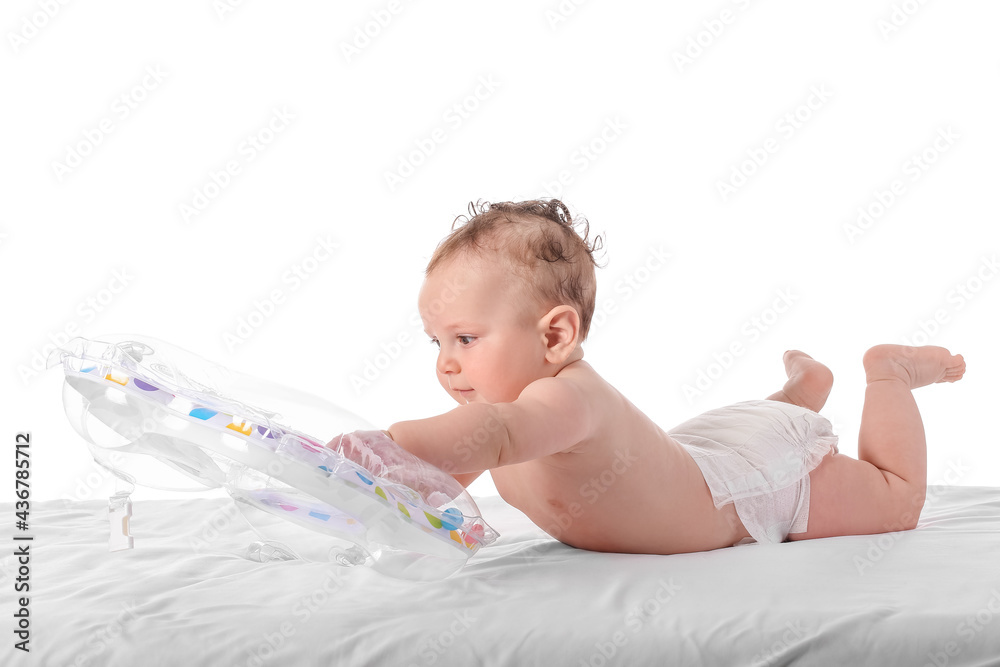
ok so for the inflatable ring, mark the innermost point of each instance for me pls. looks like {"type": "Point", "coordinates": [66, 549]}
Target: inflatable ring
{"type": "Point", "coordinates": [157, 415]}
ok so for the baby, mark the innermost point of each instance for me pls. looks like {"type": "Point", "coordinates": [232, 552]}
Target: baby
{"type": "Point", "coordinates": [508, 299]}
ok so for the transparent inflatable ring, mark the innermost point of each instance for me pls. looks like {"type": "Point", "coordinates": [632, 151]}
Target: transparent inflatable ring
{"type": "Point", "coordinates": [157, 415]}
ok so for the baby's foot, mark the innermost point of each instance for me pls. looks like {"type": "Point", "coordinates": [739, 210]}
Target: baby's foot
{"type": "Point", "coordinates": [916, 366]}
{"type": "Point", "coordinates": [809, 382]}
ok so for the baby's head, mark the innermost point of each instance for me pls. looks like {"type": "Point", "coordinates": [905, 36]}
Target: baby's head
{"type": "Point", "coordinates": [509, 296]}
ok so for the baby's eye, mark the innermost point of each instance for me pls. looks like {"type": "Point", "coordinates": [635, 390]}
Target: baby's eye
{"type": "Point", "coordinates": [466, 340]}
{"type": "Point", "coordinates": [436, 343]}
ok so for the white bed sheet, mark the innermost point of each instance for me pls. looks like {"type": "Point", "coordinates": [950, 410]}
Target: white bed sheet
{"type": "Point", "coordinates": [185, 596]}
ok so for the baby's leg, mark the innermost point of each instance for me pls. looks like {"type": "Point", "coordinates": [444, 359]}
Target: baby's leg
{"type": "Point", "coordinates": [883, 491]}
{"type": "Point", "coordinates": [809, 382]}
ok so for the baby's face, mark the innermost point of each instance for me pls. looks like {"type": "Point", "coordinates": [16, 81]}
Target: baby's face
{"type": "Point", "coordinates": [491, 343]}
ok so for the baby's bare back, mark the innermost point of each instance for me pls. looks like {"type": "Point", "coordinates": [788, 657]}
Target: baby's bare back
{"type": "Point", "coordinates": [629, 488]}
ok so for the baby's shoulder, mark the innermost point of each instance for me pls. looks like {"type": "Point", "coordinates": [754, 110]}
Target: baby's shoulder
{"type": "Point", "coordinates": [583, 375]}
{"type": "Point", "coordinates": [578, 371]}
{"type": "Point", "coordinates": [577, 382]}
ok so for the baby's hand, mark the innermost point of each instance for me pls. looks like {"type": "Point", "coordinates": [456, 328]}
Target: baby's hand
{"type": "Point", "coordinates": [369, 449]}
{"type": "Point", "coordinates": [379, 454]}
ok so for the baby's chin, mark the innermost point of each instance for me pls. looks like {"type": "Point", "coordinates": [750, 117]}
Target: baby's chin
{"type": "Point", "coordinates": [464, 397]}
{"type": "Point", "coordinates": [470, 396]}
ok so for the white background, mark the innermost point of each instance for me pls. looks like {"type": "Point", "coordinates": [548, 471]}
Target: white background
{"type": "Point", "coordinates": [883, 79]}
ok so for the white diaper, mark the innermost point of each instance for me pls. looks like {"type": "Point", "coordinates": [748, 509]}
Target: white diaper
{"type": "Point", "coordinates": [758, 455]}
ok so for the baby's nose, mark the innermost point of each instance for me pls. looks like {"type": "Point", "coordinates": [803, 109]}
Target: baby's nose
{"type": "Point", "coordinates": [446, 364]}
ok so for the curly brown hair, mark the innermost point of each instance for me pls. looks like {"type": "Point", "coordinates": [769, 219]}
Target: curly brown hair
{"type": "Point", "coordinates": [540, 241]}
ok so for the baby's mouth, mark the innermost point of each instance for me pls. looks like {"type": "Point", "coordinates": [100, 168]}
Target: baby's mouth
{"type": "Point", "coordinates": [464, 393]}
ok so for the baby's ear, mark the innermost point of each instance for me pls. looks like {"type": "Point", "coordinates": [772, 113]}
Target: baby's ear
{"type": "Point", "coordinates": [561, 330]}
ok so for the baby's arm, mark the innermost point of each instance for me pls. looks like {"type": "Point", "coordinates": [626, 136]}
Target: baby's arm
{"type": "Point", "coordinates": [551, 415]}
{"type": "Point", "coordinates": [466, 478]}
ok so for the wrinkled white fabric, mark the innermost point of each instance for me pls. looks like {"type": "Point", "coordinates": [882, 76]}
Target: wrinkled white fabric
{"type": "Point", "coordinates": [889, 599]}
